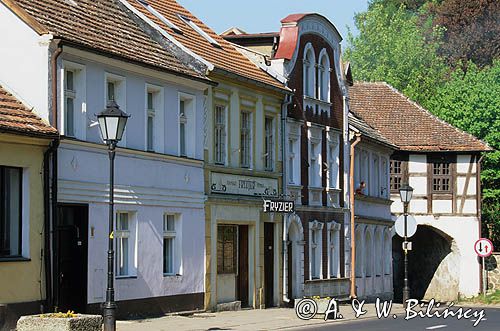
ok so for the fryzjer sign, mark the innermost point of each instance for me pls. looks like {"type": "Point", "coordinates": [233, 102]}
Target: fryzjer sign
{"type": "Point", "coordinates": [243, 185]}
{"type": "Point", "coordinates": [279, 206]}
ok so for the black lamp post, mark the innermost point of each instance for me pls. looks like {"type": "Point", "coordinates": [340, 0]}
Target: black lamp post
{"type": "Point", "coordinates": [406, 192]}
{"type": "Point", "coordinates": [112, 123]}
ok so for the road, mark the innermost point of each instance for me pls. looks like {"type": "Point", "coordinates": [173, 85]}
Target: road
{"type": "Point", "coordinates": [491, 322]}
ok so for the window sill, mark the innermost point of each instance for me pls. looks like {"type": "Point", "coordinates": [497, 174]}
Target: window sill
{"type": "Point", "coordinates": [125, 277]}
{"type": "Point", "coordinates": [14, 259]}
{"type": "Point", "coordinates": [171, 276]}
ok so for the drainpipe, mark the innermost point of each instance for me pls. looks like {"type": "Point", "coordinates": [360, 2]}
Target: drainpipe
{"type": "Point", "coordinates": [53, 64]}
{"type": "Point", "coordinates": [353, 227]}
{"type": "Point", "coordinates": [288, 100]}
{"type": "Point", "coordinates": [46, 224]}
{"type": "Point", "coordinates": [479, 214]}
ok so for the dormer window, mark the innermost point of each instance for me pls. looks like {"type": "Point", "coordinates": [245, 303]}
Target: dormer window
{"type": "Point", "coordinates": [200, 31]}
{"type": "Point", "coordinates": [159, 16]}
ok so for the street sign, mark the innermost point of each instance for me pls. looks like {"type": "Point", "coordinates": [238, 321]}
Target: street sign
{"type": "Point", "coordinates": [411, 226]}
{"type": "Point", "coordinates": [279, 206]}
{"type": "Point", "coordinates": [483, 247]}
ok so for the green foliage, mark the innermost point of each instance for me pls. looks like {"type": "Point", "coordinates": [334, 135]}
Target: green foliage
{"type": "Point", "coordinates": [391, 48]}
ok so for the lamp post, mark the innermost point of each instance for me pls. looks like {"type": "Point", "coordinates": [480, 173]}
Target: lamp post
{"type": "Point", "coordinates": [112, 123]}
{"type": "Point", "coordinates": [406, 192]}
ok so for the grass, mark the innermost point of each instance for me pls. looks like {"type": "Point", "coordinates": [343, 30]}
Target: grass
{"type": "Point", "coordinates": [490, 299]}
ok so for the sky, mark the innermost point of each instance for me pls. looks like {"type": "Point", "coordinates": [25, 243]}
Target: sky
{"type": "Point", "coordinates": [265, 15]}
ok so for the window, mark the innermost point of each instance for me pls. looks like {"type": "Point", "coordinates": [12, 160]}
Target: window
{"type": "Point", "coordinates": [396, 170]}
{"type": "Point", "coordinates": [315, 249]}
{"type": "Point", "coordinates": [315, 164]}
{"type": "Point", "coordinates": [169, 244]}
{"type": "Point", "coordinates": [333, 161]}
{"type": "Point", "coordinates": [324, 78]}
{"type": "Point", "coordinates": [333, 250]}
{"type": "Point", "coordinates": [69, 109]}
{"type": "Point", "coordinates": [200, 31]}
{"type": "Point", "coordinates": [150, 123]}
{"type": "Point", "coordinates": [186, 126]}
{"type": "Point", "coordinates": [309, 71]}
{"type": "Point", "coordinates": [376, 189]}
{"type": "Point", "coordinates": [220, 134]}
{"type": "Point", "coordinates": [269, 144]}
{"type": "Point", "coordinates": [182, 127]}
{"type": "Point", "coordinates": [73, 119]}
{"type": "Point", "coordinates": [441, 177]}
{"type": "Point", "coordinates": [246, 139]}
{"type": "Point", "coordinates": [291, 160]}
{"type": "Point", "coordinates": [160, 16]}
{"type": "Point", "coordinates": [124, 244]}
{"type": "Point", "coordinates": [384, 178]}
{"type": "Point", "coordinates": [10, 211]}
{"type": "Point", "coordinates": [115, 91]}
{"type": "Point", "coordinates": [226, 249]}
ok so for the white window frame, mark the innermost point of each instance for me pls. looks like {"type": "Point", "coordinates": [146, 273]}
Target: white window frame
{"type": "Point", "coordinates": [79, 96]}
{"type": "Point", "coordinates": [291, 160]}
{"type": "Point", "coordinates": [315, 250]}
{"type": "Point", "coordinates": [324, 76]}
{"type": "Point", "coordinates": [333, 160]}
{"type": "Point", "coordinates": [269, 144]}
{"type": "Point", "coordinates": [220, 134]}
{"type": "Point", "coordinates": [176, 236]}
{"type": "Point", "coordinates": [309, 71]}
{"type": "Point", "coordinates": [249, 135]}
{"type": "Point", "coordinates": [376, 187]}
{"type": "Point", "coordinates": [333, 249]}
{"type": "Point", "coordinates": [131, 234]}
{"type": "Point", "coordinates": [120, 92]}
{"type": "Point", "coordinates": [158, 118]}
{"type": "Point", "coordinates": [189, 120]}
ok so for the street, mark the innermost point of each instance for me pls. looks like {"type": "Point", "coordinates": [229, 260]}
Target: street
{"type": "Point", "coordinates": [492, 323]}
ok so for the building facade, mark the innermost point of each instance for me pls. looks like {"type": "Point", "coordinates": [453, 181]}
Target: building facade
{"type": "Point", "coordinates": [442, 164]}
{"type": "Point", "coordinates": [306, 55]}
{"type": "Point", "coordinates": [159, 185]}
{"type": "Point", "coordinates": [25, 142]}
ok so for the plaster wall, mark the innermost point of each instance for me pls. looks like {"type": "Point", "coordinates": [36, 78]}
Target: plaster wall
{"type": "Point", "coordinates": [150, 186]}
{"type": "Point", "coordinates": [24, 53]}
{"type": "Point", "coordinates": [417, 163]}
{"type": "Point", "coordinates": [23, 281]}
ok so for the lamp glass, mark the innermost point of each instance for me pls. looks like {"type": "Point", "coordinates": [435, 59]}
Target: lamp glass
{"type": "Point", "coordinates": [406, 193]}
{"type": "Point", "coordinates": [112, 123]}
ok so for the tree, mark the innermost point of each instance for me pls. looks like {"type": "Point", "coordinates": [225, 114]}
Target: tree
{"type": "Point", "coordinates": [391, 47]}
{"type": "Point", "coordinates": [470, 100]}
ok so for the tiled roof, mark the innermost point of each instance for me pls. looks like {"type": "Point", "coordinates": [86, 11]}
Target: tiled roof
{"type": "Point", "coordinates": [367, 131]}
{"type": "Point", "coordinates": [405, 123]}
{"type": "Point", "coordinates": [16, 118]}
{"type": "Point", "coordinates": [101, 25]}
{"type": "Point", "coordinates": [225, 57]}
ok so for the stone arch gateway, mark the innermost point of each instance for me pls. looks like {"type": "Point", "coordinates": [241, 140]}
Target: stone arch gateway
{"type": "Point", "coordinates": [434, 266]}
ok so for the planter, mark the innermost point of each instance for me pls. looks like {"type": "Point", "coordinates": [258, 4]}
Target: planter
{"type": "Point", "coordinates": [46, 323]}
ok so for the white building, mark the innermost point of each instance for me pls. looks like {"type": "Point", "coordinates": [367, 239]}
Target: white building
{"type": "Point", "coordinates": [68, 60]}
{"type": "Point", "coordinates": [442, 164]}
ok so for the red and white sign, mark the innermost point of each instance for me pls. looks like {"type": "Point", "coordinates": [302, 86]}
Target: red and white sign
{"type": "Point", "coordinates": [483, 247]}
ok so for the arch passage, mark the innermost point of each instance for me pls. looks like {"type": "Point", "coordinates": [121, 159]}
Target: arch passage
{"type": "Point", "coordinates": [434, 266]}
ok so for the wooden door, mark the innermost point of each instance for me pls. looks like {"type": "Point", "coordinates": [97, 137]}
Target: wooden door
{"type": "Point", "coordinates": [269, 264]}
{"type": "Point", "coordinates": [242, 289]}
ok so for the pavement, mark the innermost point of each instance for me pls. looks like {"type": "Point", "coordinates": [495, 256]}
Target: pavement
{"type": "Point", "coordinates": [265, 319]}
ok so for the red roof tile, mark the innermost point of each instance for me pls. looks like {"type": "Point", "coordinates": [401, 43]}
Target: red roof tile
{"type": "Point", "coordinates": [226, 57]}
{"type": "Point", "coordinates": [16, 118]}
{"type": "Point", "coordinates": [405, 123]}
{"type": "Point", "coordinates": [101, 25]}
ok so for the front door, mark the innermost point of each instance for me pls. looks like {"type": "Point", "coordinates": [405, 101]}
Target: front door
{"type": "Point", "coordinates": [269, 263]}
{"type": "Point", "coordinates": [71, 243]}
{"type": "Point", "coordinates": [243, 265]}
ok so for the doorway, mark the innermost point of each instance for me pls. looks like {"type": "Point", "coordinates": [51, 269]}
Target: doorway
{"type": "Point", "coordinates": [71, 242]}
{"type": "Point", "coordinates": [269, 264]}
{"type": "Point", "coordinates": [243, 265]}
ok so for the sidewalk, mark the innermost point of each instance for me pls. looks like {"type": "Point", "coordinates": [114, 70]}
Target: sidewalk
{"type": "Point", "coordinates": [266, 319]}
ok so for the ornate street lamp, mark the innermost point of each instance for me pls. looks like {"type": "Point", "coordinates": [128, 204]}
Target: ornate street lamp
{"type": "Point", "coordinates": [406, 193]}
{"type": "Point", "coordinates": [112, 123]}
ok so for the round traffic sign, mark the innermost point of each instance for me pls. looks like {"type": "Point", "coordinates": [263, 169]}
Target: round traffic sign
{"type": "Point", "coordinates": [483, 247]}
{"type": "Point", "coordinates": [411, 226]}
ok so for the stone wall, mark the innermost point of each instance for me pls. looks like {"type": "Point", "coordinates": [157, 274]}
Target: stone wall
{"type": "Point", "coordinates": [493, 270]}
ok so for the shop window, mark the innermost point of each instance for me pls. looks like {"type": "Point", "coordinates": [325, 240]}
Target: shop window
{"type": "Point", "coordinates": [10, 212]}
{"type": "Point", "coordinates": [226, 249]}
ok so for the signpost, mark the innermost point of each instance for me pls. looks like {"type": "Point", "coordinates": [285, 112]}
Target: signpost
{"type": "Point", "coordinates": [483, 248]}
